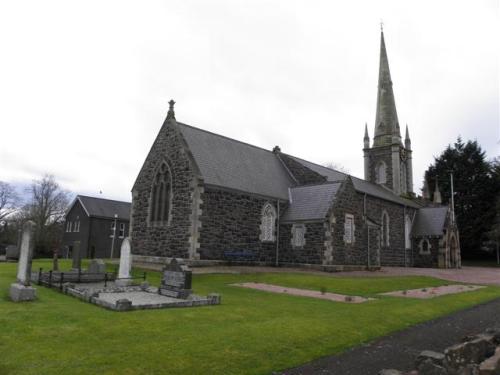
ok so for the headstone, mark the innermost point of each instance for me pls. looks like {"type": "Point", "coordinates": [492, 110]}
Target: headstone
{"type": "Point", "coordinates": [21, 290]}
{"type": "Point", "coordinates": [77, 258]}
{"type": "Point", "coordinates": [125, 264]}
{"type": "Point", "coordinates": [176, 280]}
{"type": "Point", "coordinates": [12, 252]}
{"type": "Point", "coordinates": [55, 261]}
{"type": "Point", "coordinates": [97, 266]}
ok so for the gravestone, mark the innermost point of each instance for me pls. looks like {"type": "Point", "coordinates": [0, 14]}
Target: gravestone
{"type": "Point", "coordinates": [125, 264]}
{"type": "Point", "coordinates": [22, 290]}
{"type": "Point", "coordinates": [176, 280]}
{"type": "Point", "coordinates": [77, 257]}
{"type": "Point", "coordinates": [55, 261]}
{"type": "Point", "coordinates": [97, 266]}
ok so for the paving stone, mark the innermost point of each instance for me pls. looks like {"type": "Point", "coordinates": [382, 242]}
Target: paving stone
{"type": "Point", "coordinates": [491, 366]}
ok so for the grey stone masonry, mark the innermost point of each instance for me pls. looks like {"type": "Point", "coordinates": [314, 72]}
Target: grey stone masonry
{"type": "Point", "coordinates": [176, 237]}
{"type": "Point", "coordinates": [231, 221]}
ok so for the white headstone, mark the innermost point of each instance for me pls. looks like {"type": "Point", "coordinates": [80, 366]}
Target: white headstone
{"type": "Point", "coordinates": [26, 253]}
{"type": "Point", "coordinates": [125, 259]}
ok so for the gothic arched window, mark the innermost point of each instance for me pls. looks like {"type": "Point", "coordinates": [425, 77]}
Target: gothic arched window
{"type": "Point", "coordinates": [161, 196]}
{"type": "Point", "coordinates": [385, 229]}
{"type": "Point", "coordinates": [268, 222]}
{"type": "Point", "coordinates": [403, 178]}
{"type": "Point", "coordinates": [381, 173]}
{"type": "Point", "coordinates": [407, 232]}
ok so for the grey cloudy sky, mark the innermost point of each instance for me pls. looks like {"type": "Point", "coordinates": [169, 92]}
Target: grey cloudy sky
{"type": "Point", "coordinates": [84, 85]}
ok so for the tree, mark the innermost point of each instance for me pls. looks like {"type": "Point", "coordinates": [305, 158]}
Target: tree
{"type": "Point", "coordinates": [474, 188]}
{"type": "Point", "coordinates": [337, 167]}
{"type": "Point", "coordinates": [9, 200]}
{"type": "Point", "coordinates": [47, 209]}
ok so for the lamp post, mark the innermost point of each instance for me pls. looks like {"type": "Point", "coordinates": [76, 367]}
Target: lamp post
{"type": "Point", "coordinates": [114, 235]}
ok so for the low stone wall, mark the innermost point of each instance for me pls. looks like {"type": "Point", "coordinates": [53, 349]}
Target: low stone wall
{"type": "Point", "coordinates": [476, 355]}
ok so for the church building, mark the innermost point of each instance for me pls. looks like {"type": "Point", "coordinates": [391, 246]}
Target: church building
{"type": "Point", "coordinates": [207, 198]}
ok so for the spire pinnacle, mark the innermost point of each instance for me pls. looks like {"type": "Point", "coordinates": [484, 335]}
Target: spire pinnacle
{"type": "Point", "coordinates": [387, 130]}
{"type": "Point", "coordinates": [437, 193]}
{"type": "Point", "coordinates": [171, 113]}
{"type": "Point", "coordinates": [366, 138]}
{"type": "Point", "coordinates": [425, 190]}
{"type": "Point", "coordinates": [407, 138]}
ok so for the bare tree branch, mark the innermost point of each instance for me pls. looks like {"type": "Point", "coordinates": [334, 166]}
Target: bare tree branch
{"type": "Point", "coordinates": [9, 200]}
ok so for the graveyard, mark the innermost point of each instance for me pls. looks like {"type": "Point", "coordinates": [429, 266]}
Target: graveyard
{"type": "Point", "coordinates": [250, 331]}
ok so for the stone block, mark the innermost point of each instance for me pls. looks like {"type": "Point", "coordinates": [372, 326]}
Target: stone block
{"type": "Point", "coordinates": [428, 367]}
{"type": "Point", "coordinates": [214, 298]}
{"type": "Point", "coordinates": [434, 357]}
{"type": "Point", "coordinates": [123, 304]}
{"type": "Point", "coordinates": [491, 366]}
{"type": "Point", "coordinates": [470, 352]}
{"type": "Point", "coordinates": [21, 293]}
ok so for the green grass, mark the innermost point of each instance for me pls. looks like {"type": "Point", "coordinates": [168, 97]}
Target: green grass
{"type": "Point", "coordinates": [252, 332]}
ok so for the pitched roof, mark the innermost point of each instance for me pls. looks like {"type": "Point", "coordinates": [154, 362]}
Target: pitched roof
{"type": "Point", "coordinates": [430, 221]}
{"type": "Point", "coordinates": [107, 208]}
{"type": "Point", "coordinates": [360, 185]}
{"type": "Point", "coordinates": [233, 164]}
{"type": "Point", "coordinates": [311, 202]}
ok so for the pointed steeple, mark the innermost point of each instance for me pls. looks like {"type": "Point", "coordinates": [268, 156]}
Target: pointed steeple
{"type": "Point", "coordinates": [437, 194]}
{"type": "Point", "coordinates": [366, 138]}
{"type": "Point", "coordinates": [386, 122]}
{"type": "Point", "coordinates": [171, 113]}
{"type": "Point", "coordinates": [425, 190]}
{"type": "Point", "coordinates": [407, 139]}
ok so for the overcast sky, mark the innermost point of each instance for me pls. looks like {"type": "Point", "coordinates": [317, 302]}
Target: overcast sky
{"type": "Point", "coordinates": [84, 85]}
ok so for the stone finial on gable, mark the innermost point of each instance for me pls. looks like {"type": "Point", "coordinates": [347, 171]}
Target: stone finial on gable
{"type": "Point", "coordinates": [171, 113]}
{"type": "Point", "coordinates": [276, 149]}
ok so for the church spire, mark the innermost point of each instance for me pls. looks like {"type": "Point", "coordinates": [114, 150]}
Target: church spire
{"type": "Point", "coordinates": [366, 138]}
{"type": "Point", "coordinates": [386, 122]}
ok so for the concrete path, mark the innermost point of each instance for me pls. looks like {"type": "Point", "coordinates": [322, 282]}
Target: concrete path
{"type": "Point", "coordinates": [399, 350]}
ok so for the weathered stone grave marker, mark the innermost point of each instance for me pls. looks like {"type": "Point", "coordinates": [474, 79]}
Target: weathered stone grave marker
{"type": "Point", "coordinates": [77, 257]}
{"type": "Point", "coordinates": [176, 280]}
{"type": "Point", "coordinates": [22, 289]}
{"type": "Point", "coordinates": [97, 266]}
{"type": "Point", "coordinates": [125, 264]}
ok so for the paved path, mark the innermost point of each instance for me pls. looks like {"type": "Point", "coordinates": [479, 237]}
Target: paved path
{"type": "Point", "coordinates": [400, 349]}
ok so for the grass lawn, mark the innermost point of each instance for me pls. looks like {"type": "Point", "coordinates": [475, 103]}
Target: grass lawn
{"type": "Point", "coordinates": [252, 332]}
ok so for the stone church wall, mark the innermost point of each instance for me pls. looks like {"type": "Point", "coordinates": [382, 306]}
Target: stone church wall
{"type": "Point", "coordinates": [395, 254]}
{"type": "Point", "coordinates": [313, 249]}
{"type": "Point", "coordinates": [426, 260]}
{"type": "Point", "coordinates": [171, 240]}
{"type": "Point", "coordinates": [230, 221]}
{"type": "Point", "coordinates": [377, 155]}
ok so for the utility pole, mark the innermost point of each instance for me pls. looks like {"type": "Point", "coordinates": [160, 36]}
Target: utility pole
{"type": "Point", "coordinates": [114, 235]}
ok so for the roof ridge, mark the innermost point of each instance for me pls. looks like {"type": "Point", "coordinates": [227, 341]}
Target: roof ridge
{"type": "Point", "coordinates": [314, 184]}
{"type": "Point", "coordinates": [225, 137]}
{"type": "Point", "coordinates": [103, 199]}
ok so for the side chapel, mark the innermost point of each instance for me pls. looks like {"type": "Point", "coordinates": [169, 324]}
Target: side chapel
{"type": "Point", "coordinates": [201, 196]}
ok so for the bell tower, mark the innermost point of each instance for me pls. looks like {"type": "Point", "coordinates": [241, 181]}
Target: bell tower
{"type": "Point", "coordinates": [388, 162]}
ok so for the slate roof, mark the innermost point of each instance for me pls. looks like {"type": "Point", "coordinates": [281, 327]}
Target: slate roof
{"type": "Point", "coordinates": [430, 221]}
{"type": "Point", "coordinates": [106, 208]}
{"type": "Point", "coordinates": [310, 202]}
{"type": "Point", "coordinates": [233, 164]}
{"type": "Point", "coordinates": [360, 185]}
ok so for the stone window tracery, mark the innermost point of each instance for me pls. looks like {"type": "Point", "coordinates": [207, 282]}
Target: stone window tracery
{"type": "Point", "coordinates": [381, 173]}
{"type": "Point", "coordinates": [161, 196]}
{"type": "Point", "coordinates": [425, 246]}
{"type": "Point", "coordinates": [349, 228]}
{"type": "Point", "coordinates": [385, 229]}
{"type": "Point", "coordinates": [268, 222]}
{"type": "Point", "coordinates": [298, 235]}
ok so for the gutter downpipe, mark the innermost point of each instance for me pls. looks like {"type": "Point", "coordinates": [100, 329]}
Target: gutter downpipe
{"type": "Point", "coordinates": [367, 233]}
{"type": "Point", "coordinates": [278, 234]}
